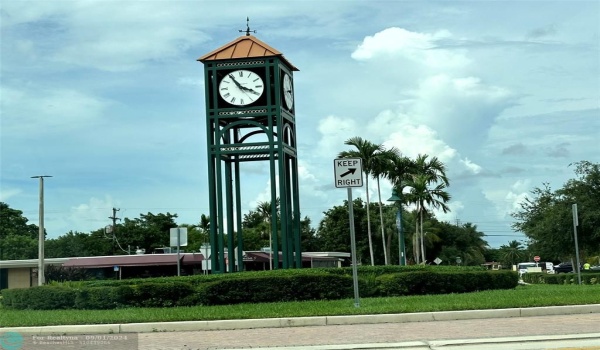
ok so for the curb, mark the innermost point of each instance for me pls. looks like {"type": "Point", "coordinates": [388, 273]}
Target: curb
{"type": "Point", "coordinates": [303, 321]}
{"type": "Point", "coordinates": [525, 342]}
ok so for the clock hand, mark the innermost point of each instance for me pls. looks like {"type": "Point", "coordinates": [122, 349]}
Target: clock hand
{"type": "Point", "coordinates": [235, 81]}
{"type": "Point", "coordinates": [241, 87]}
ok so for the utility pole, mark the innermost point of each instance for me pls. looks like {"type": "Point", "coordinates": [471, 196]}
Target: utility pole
{"type": "Point", "coordinates": [42, 237]}
{"type": "Point", "coordinates": [114, 219]}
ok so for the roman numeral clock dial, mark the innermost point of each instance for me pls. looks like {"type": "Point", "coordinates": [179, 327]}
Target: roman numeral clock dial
{"type": "Point", "coordinates": [241, 87]}
{"type": "Point", "coordinates": [288, 91]}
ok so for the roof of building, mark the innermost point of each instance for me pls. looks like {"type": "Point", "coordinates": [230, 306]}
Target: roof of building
{"type": "Point", "coordinates": [134, 260]}
{"type": "Point", "coordinates": [156, 259]}
{"type": "Point", "coordinates": [4, 264]}
{"type": "Point", "coordinates": [247, 46]}
{"type": "Point", "coordinates": [264, 256]}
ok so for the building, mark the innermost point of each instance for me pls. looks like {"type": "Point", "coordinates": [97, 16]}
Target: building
{"type": "Point", "coordinates": [23, 273]}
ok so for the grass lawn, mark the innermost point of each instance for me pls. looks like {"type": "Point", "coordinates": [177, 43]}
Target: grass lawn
{"type": "Point", "coordinates": [522, 296]}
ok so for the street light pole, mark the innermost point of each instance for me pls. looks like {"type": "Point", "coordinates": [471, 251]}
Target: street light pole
{"type": "Point", "coordinates": [41, 238]}
{"type": "Point", "coordinates": [401, 249]}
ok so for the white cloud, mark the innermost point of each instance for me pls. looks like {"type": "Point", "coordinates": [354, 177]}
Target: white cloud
{"type": "Point", "coordinates": [460, 109]}
{"type": "Point", "coordinates": [91, 215]}
{"type": "Point", "coordinates": [417, 47]}
{"type": "Point", "coordinates": [103, 36]}
{"type": "Point", "coordinates": [474, 168]}
{"type": "Point", "coordinates": [5, 194]}
{"type": "Point", "coordinates": [508, 199]}
{"type": "Point", "coordinates": [190, 81]}
{"type": "Point", "coordinates": [37, 110]}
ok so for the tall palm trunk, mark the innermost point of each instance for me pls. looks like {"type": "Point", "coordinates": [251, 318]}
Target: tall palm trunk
{"type": "Point", "coordinates": [385, 251]}
{"type": "Point", "coordinates": [422, 237]}
{"type": "Point", "coordinates": [369, 222]}
{"type": "Point", "coordinates": [417, 239]}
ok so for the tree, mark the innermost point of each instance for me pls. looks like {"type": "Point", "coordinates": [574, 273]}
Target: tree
{"type": "Point", "coordinates": [149, 231]}
{"type": "Point", "coordinates": [369, 153]}
{"type": "Point", "coordinates": [380, 167]}
{"type": "Point", "coordinates": [423, 196]}
{"type": "Point", "coordinates": [399, 170]}
{"type": "Point", "coordinates": [69, 245]}
{"type": "Point", "coordinates": [546, 218]}
{"type": "Point", "coordinates": [512, 254]}
{"type": "Point", "coordinates": [333, 231]}
{"type": "Point", "coordinates": [18, 239]}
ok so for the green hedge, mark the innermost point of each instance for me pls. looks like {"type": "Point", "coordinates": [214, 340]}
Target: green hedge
{"type": "Point", "coordinates": [256, 287]}
{"type": "Point", "coordinates": [430, 282]}
{"type": "Point", "coordinates": [39, 298]}
{"type": "Point", "coordinates": [562, 278]}
{"type": "Point", "coordinates": [276, 288]}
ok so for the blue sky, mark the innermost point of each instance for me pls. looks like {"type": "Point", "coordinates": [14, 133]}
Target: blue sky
{"type": "Point", "coordinates": [108, 98]}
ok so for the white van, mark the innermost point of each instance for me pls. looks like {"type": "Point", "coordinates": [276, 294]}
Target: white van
{"type": "Point", "coordinates": [525, 267]}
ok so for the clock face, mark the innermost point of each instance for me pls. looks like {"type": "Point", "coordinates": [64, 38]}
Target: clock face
{"type": "Point", "coordinates": [241, 87]}
{"type": "Point", "coordinates": [288, 91]}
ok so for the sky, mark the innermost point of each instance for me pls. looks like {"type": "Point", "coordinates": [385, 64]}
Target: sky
{"type": "Point", "coordinates": [108, 98]}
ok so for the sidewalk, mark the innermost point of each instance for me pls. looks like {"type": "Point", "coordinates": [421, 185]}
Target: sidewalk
{"type": "Point", "coordinates": [431, 330]}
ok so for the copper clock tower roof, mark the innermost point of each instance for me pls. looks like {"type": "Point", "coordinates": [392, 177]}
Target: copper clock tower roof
{"type": "Point", "coordinates": [247, 46]}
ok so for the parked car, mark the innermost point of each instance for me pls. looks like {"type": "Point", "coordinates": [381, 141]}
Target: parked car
{"type": "Point", "coordinates": [563, 267]}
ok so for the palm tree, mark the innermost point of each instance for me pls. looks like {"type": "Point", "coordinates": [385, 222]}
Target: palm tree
{"type": "Point", "coordinates": [380, 168]}
{"type": "Point", "coordinates": [265, 210]}
{"type": "Point", "coordinates": [512, 253]}
{"type": "Point", "coordinates": [398, 170]}
{"type": "Point", "coordinates": [428, 172]}
{"type": "Point", "coordinates": [369, 153]}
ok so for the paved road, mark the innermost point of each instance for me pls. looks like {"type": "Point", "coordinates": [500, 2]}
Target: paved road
{"type": "Point", "coordinates": [386, 333]}
{"type": "Point", "coordinates": [577, 327]}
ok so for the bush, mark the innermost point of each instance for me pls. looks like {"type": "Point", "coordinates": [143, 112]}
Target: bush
{"type": "Point", "coordinates": [563, 278]}
{"type": "Point", "coordinates": [98, 298]}
{"type": "Point", "coordinates": [39, 298]}
{"type": "Point", "coordinates": [257, 289]}
{"type": "Point", "coordinates": [430, 282]}
{"type": "Point", "coordinates": [152, 294]}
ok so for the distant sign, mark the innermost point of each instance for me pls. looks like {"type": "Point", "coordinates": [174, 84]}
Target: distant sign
{"type": "Point", "coordinates": [536, 258]}
{"type": "Point", "coordinates": [182, 232]}
{"type": "Point", "coordinates": [348, 172]}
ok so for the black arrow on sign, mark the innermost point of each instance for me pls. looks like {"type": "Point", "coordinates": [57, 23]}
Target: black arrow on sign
{"type": "Point", "coordinates": [350, 171]}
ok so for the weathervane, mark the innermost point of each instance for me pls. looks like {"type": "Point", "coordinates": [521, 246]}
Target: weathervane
{"type": "Point", "coordinates": [248, 31]}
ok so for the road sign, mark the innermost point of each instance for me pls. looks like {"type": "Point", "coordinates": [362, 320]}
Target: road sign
{"type": "Point", "coordinates": [348, 172]}
{"type": "Point", "coordinates": [183, 236]}
{"type": "Point", "coordinates": [536, 258]}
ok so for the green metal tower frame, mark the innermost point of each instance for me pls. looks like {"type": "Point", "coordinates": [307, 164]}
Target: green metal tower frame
{"type": "Point", "coordinates": [262, 131]}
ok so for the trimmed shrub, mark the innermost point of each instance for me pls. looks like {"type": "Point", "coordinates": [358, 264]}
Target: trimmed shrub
{"type": "Point", "coordinates": [98, 298]}
{"type": "Point", "coordinates": [160, 294]}
{"type": "Point", "coordinates": [259, 287]}
{"type": "Point", "coordinates": [429, 282]}
{"type": "Point", "coordinates": [39, 298]}
{"type": "Point", "coordinates": [276, 288]}
{"type": "Point", "coordinates": [562, 278]}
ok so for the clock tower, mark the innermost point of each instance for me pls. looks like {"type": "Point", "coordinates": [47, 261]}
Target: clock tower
{"type": "Point", "coordinates": [250, 117]}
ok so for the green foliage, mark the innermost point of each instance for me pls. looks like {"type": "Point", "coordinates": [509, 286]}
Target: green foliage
{"type": "Point", "coordinates": [430, 282]}
{"type": "Point", "coordinates": [256, 287]}
{"type": "Point", "coordinates": [512, 254]}
{"type": "Point", "coordinates": [98, 298]}
{"type": "Point", "coordinates": [54, 273]}
{"type": "Point", "coordinates": [39, 298]}
{"type": "Point", "coordinates": [276, 288]}
{"type": "Point", "coordinates": [520, 297]}
{"type": "Point", "coordinates": [562, 278]}
{"type": "Point", "coordinates": [547, 218]}
{"type": "Point", "coordinates": [18, 239]}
